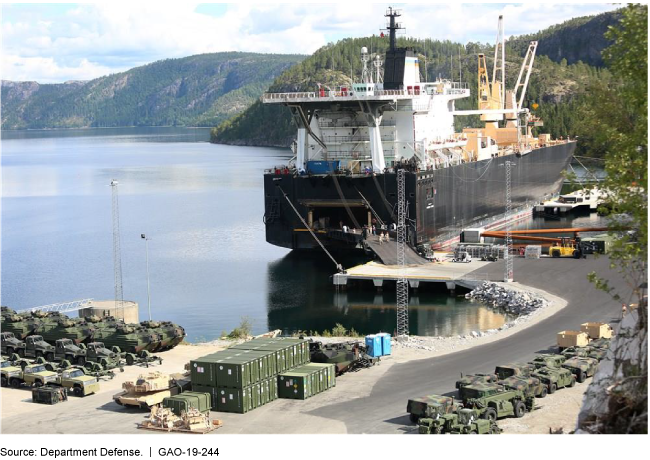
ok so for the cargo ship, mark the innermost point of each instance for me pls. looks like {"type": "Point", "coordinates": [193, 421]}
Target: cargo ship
{"type": "Point", "coordinates": [352, 140]}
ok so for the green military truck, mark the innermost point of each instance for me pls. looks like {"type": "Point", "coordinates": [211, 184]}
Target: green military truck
{"type": "Point", "coordinates": [584, 352]}
{"type": "Point", "coordinates": [463, 421]}
{"type": "Point", "coordinates": [10, 344]}
{"type": "Point", "coordinates": [66, 349]}
{"type": "Point", "coordinates": [8, 371]}
{"type": "Point", "coordinates": [581, 367]}
{"type": "Point", "coordinates": [75, 380]}
{"type": "Point", "coordinates": [471, 379]}
{"type": "Point", "coordinates": [531, 386]}
{"type": "Point", "coordinates": [555, 378]}
{"type": "Point", "coordinates": [513, 370]}
{"type": "Point", "coordinates": [431, 406]}
{"type": "Point", "coordinates": [492, 401]}
{"type": "Point", "coordinates": [97, 353]}
{"type": "Point", "coordinates": [36, 347]}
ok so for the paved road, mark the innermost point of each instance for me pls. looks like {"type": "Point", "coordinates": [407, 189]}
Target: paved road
{"type": "Point", "coordinates": [383, 411]}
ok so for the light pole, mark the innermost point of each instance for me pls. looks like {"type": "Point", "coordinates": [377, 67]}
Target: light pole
{"type": "Point", "coordinates": [146, 245]}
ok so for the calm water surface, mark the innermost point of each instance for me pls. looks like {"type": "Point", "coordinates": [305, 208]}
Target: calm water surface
{"type": "Point", "coordinates": [202, 207]}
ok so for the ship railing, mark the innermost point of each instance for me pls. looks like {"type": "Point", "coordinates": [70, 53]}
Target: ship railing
{"type": "Point", "coordinates": [362, 138]}
{"type": "Point", "coordinates": [353, 124]}
{"type": "Point", "coordinates": [341, 93]}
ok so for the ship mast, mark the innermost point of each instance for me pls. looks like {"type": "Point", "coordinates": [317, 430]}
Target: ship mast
{"type": "Point", "coordinates": [393, 26]}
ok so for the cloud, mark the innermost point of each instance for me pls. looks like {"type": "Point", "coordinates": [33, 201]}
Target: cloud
{"type": "Point", "coordinates": [85, 41]}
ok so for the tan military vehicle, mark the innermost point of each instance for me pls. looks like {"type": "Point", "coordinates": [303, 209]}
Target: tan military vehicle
{"type": "Point", "coordinates": [147, 391]}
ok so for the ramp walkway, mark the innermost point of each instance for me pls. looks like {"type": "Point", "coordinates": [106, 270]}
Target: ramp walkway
{"type": "Point", "coordinates": [387, 252]}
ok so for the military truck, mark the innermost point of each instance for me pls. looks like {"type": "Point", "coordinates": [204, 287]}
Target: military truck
{"type": "Point", "coordinates": [75, 379]}
{"type": "Point", "coordinates": [468, 422]}
{"type": "Point", "coordinates": [33, 375]}
{"type": "Point", "coordinates": [601, 344]}
{"type": "Point", "coordinates": [472, 379]}
{"type": "Point", "coordinates": [584, 352]}
{"type": "Point", "coordinates": [96, 352]}
{"type": "Point", "coordinates": [513, 370]}
{"type": "Point", "coordinates": [555, 378]}
{"type": "Point", "coordinates": [36, 347]}
{"type": "Point", "coordinates": [530, 386]}
{"type": "Point", "coordinates": [581, 367]}
{"type": "Point", "coordinates": [493, 401]}
{"type": "Point", "coordinates": [11, 344]}
{"type": "Point", "coordinates": [431, 406]}
{"type": "Point", "coordinates": [548, 360]}
{"type": "Point", "coordinates": [65, 349]}
{"type": "Point", "coordinates": [8, 371]}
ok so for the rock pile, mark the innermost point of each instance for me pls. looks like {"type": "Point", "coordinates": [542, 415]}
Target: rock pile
{"type": "Point", "coordinates": [511, 302]}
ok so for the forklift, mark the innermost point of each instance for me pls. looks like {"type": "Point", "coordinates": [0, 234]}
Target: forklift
{"type": "Point", "coordinates": [565, 248]}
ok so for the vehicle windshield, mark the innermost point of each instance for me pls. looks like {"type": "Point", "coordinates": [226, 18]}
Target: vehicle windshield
{"type": "Point", "coordinates": [5, 364]}
{"type": "Point", "coordinates": [33, 370]}
{"type": "Point", "coordinates": [465, 416]}
{"type": "Point", "coordinates": [505, 372]}
{"type": "Point", "coordinates": [76, 373]}
{"type": "Point", "coordinates": [475, 393]}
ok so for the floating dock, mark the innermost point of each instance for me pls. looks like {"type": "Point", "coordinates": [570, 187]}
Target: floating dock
{"type": "Point", "coordinates": [452, 274]}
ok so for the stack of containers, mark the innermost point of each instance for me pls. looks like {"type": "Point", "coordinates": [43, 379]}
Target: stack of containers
{"type": "Point", "coordinates": [306, 381]}
{"type": "Point", "coordinates": [244, 377]}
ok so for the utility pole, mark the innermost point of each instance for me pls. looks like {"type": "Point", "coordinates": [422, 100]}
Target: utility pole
{"type": "Point", "coordinates": [508, 275]}
{"type": "Point", "coordinates": [146, 245]}
{"type": "Point", "coordinates": [117, 255]}
{"type": "Point", "coordinates": [402, 282]}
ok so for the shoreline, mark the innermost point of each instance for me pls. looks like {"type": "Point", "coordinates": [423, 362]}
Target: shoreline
{"type": "Point", "coordinates": [424, 347]}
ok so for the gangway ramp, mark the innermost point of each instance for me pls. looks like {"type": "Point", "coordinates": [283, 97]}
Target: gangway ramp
{"type": "Point", "coordinates": [387, 252]}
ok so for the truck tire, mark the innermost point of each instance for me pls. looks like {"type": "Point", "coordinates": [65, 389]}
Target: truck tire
{"type": "Point", "coordinates": [414, 418]}
{"type": "Point", "coordinates": [81, 360]}
{"type": "Point", "coordinates": [544, 392]}
{"type": "Point", "coordinates": [39, 354]}
{"type": "Point", "coordinates": [38, 384]}
{"type": "Point", "coordinates": [582, 377]}
{"type": "Point", "coordinates": [572, 381]}
{"type": "Point", "coordinates": [577, 255]}
{"type": "Point", "coordinates": [49, 367]}
{"type": "Point", "coordinates": [10, 351]}
{"type": "Point", "coordinates": [21, 352]}
{"type": "Point", "coordinates": [555, 254]}
{"type": "Point", "coordinates": [77, 391]}
{"type": "Point", "coordinates": [552, 387]}
{"type": "Point", "coordinates": [130, 359]}
{"type": "Point", "coordinates": [15, 383]}
{"type": "Point", "coordinates": [490, 414]}
{"type": "Point", "coordinates": [520, 409]}
{"type": "Point", "coordinates": [49, 357]}
{"type": "Point", "coordinates": [4, 381]}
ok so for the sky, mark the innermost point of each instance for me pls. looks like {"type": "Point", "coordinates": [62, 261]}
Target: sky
{"type": "Point", "coordinates": [53, 43]}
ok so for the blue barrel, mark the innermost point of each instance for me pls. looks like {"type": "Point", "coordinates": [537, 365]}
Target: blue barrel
{"type": "Point", "coordinates": [385, 343]}
{"type": "Point", "coordinates": [373, 345]}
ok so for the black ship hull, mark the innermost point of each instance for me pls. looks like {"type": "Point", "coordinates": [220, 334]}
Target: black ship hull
{"type": "Point", "coordinates": [440, 202]}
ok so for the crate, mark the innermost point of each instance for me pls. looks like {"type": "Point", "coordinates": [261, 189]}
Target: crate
{"type": "Point", "coordinates": [327, 372]}
{"type": "Point", "coordinates": [49, 395]}
{"type": "Point", "coordinates": [533, 252]}
{"type": "Point", "coordinates": [233, 368]}
{"type": "Point", "coordinates": [566, 339]}
{"type": "Point", "coordinates": [182, 402]}
{"type": "Point", "coordinates": [243, 400]}
{"type": "Point", "coordinates": [289, 352]}
{"type": "Point", "coordinates": [597, 330]}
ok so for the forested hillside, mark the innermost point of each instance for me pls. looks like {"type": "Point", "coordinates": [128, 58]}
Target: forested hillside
{"type": "Point", "coordinates": [201, 90]}
{"type": "Point", "coordinates": [557, 86]}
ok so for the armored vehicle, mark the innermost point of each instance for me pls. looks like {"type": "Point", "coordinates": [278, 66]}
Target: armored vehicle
{"type": "Point", "coordinates": [171, 334]}
{"type": "Point", "coordinates": [581, 367]}
{"type": "Point", "coordinates": [147, 391]}
{"type": "Point", "coordinates": [346, 356]}
{"type": "Point", "coordinates": [36, 347]}
{"type": "Point", "coordinates": [11, 345]}
{"type": "Point", "coordinates": [21, 325]}
{"type": "Point", "coordinates": [530, 386]}
{"type": "Point", "coordinates": [492, 401]}
{"type": "Point", "coordinates": [584, 352]}
{"type": "Point", "coordinates": [548, 360]}
{"type": "Point", "coordinates": [128, 338]}
{"type": "Point", "coordinates": [468, 422]}
{"type": "Point", "coordinates": [431, 406]}
{"type": "Point", "coordinates": [75, 379]}
{"type": "Point", "coordinates": [472, 379]}
{"type": "Point", "coordinates": [555, 378]}
{"type": "Point", "coordinates": [602, 344]}
{"type": "Point", "coordinates": [8, 371]}
{"type": "Point", "coordinates": [513, 370]}
{"type": "Point", "coordinates": [34, 375]}
{"type": "Point", "coordinates": [59, 326]}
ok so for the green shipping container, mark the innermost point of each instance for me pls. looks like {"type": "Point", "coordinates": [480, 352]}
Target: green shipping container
{"type": "Point", "coordinates": [212, 391]}
{"type": "Point", "coordinates": [295, 385]}
{"type": "Point", "coordinates": [246, 399]}
{"type": "Point", "coordinates": [182, 402]}
{"type": "Point", "coordinates": [233, 368]}
{"type": "Point", "coordinates": [328, 373]}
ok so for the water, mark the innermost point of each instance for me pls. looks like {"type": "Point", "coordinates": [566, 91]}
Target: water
{"type": "Point", "coordinates": [202, 207]}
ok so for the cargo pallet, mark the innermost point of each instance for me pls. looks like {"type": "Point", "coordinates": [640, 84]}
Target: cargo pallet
{"type": "Point", "coordinates": [211, 428]}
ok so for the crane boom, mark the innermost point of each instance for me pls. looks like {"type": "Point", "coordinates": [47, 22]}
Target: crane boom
{"type": "Point", "coordinates": [527, 67]}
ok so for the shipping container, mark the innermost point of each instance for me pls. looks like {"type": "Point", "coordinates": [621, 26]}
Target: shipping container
{"type": "Point", "coordinates": [182, 402]}
{"type": "Point", "coordinates": [212, 391]}
{"type": "Point", "coordinates": [233, 368]}
{"type": "Point", "coordinates": [328, 372]}
{"type": "Point", "coordinates": [295, 385]}
{"type": "Point", "coordinates": [566, 339]}
{"type": "Point", "coordinates": [597, 330]}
